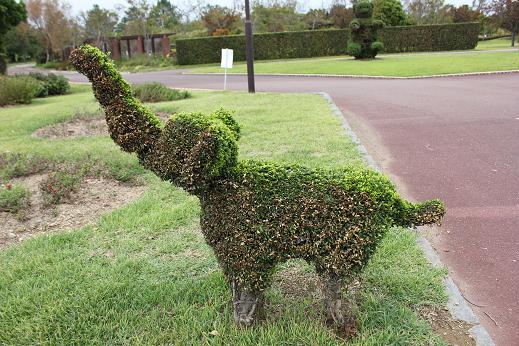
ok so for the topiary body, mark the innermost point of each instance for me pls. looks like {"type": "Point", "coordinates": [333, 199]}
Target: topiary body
{"type": "Point", "coordinates": [254, 214]}
{"type": "Point", "coordinates": [363, 42]}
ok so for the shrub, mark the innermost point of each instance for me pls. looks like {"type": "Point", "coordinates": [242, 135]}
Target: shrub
{"type": "Point", "coordinates": [52, 84]}
{"type": "Point", "coordinates": [256, 215]}
{"type": "Point", "coordinates": [364, 32]}
{"type": "Point", "coordinates": [14, 198]}
{"type": "Point", "coordinates": [157, 92]}
{"type": "Point", "coordinates": [307, 44]}
{"type": "Point", "coordinates": [58, 186]}
{"type": "Point", "coordinates": [18, 89]}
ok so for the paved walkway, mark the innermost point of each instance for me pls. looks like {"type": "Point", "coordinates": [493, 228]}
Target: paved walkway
{"type": "Point", "coordinates": [451, 138]}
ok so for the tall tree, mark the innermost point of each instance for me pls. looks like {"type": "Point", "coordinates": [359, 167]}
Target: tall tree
{"type": "Point", "coordinates": [427, 11]}
{"type": "Point", "coordinates": [99, 23]}
{"type": "Point", "coordinates": [341, 15]}
{"type": "Point", "coordinates": [23, 43]}
{"type": "Point", "coordinates": [11, 13]}
{"type": "Point", "coordinates": [507, 14]}
{"type": "Point", "coordinates": [275, 16]}
{"type": "Point", "coordinates": [165, 15]}
{"type": "Point", "coordinates": [219, 20]}
{"type": "Point", "coordinates": [317, 18]}
{"type": "Point", "coordinates": [53, 21]}
{"type": "Point", "coordinates": [390, 12]}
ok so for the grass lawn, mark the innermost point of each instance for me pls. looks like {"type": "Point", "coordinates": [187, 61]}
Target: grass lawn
{"type": "Point", "coordinates": [386, 65]}
{"type": "Point", "coordinates": [161, 284]}
{"type": "Point", "coordinates": [499, 43]}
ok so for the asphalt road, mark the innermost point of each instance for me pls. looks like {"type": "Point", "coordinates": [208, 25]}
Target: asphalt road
{"type": "Point", "coordinates": [454, 138]}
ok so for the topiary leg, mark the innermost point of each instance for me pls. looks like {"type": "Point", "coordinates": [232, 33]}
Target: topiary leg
{"type": "Point", "coordinates": [337, 312]}
{"type": "Point", "coordinates": [247, 304]}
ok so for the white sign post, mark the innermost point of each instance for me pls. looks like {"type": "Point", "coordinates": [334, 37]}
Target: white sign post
{"type": "Point", "coordinates": [227, 57]}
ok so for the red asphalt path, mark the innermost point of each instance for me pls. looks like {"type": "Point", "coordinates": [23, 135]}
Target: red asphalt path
{"type": "Point", "coordinates": [454, 138]}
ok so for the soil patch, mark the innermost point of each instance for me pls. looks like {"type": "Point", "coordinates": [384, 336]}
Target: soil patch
{"type": "Point", "coordinates": [454, 332]}
{"type": "Point", "coordinates": [95, 197]}
{"type": "Point", "coordinates": [81, 126]}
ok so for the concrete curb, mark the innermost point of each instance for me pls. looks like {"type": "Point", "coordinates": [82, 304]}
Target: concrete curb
{"type": "Point", "coordinates": [468, 74]}
{"type": "Point", "coordinates": [457, 305]}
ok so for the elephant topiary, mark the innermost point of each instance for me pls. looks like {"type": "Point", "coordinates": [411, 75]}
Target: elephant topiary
{"type": "Point", "coordinates": [364, 43]}
{"type": "Point", "coordinates": [257, 214]}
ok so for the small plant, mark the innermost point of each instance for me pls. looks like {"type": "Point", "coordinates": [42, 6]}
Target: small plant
{"type": "Point", "coordinates": [18, 165]}
{"type": "Point", "coordinates": [59, 186]}
{"type": "Point", "coordinates": [18, 90]}
{"type": "Point", "coordinates": [14, 198]}
{"type": "Point", "coordinates": [52, 84]}
{"type": "Point", "coordinates": [157, 92]}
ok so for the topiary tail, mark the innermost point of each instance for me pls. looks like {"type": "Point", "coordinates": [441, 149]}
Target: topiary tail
{"type": "Point", "coordinates": [132, 126]}
{"type": "Point", "coordinates": [419, 214]}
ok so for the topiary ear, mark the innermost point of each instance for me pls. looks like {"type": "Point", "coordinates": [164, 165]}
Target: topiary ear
{"type": "Point", "coordinates": [195, 149]}
{"type": "Point", "coordinates": [226, 116]}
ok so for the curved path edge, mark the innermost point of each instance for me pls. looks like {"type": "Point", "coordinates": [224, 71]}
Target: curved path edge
{"type": "Point", "coordinates": [353, 76]}
{"type": "Point", "coordinates": [457, 304]}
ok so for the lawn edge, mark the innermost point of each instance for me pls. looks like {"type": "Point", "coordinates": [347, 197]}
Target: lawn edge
{"type": "Point", "coordinates": [352, 76]}
{"type": "Point", "coordinates": [457, 305]}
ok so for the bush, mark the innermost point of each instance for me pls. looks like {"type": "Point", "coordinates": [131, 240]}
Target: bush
{"type": "Point", "coordinates": [18, 89]}
{"type": "Point", "coordinates": [363, 42]}
{"type": "Point", "coordinates": [157, 92]}
{"type": "Point", "coordinates": [256, 215]}
{"type": "Point", "coordinates": [307, 44]}
{"type": "Point", "coordinates": [52, 84]}
{"type": "Point", "coordinates": [14, 198]}
{"type": "Point", "coordinates": [3, 63]}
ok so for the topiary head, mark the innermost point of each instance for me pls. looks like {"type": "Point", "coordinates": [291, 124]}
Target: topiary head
{"type": "Point", "coordinates": [363, 9]}
{"type": "Point", "coordinates": [195, 149]}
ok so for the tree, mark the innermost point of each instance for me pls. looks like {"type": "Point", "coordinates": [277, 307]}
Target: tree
{"type": "Point", "coordinates": [390, 12]}
{"type": "Point", "coordinates": [11, 13]}
{"type": "Point", "coordinates": [99, 23]}
{"type": "Point", "coordinates": [317, 18]}
{"type": "Point", "coordinates": [507, 15]}
{"type": "Point", "coordinates": [277, 16]}
{"type": "Point", "coordinates": [219, 20]}
{"type": "Point", "coordinates": [56, 26]}
{"type": "Point", "coordinates": [427, 11]}
{"type": "Point", "coordinates": [340, 15]}
{"type": "Point", "coordinates": [23, 43]}
{"type": "Point", "coordinates": [165, 15]}
{"type": "Point", "coordinates": [464, 14]}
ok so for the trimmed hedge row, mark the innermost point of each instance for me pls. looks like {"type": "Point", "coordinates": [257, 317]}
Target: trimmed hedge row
{"type": "Point", "coordinates": [307, 44]}
{"type": "Point", "coordinates": [429, 38]}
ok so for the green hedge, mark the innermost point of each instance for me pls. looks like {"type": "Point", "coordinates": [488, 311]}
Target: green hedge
{"type": "Point", "coordinates": [307, 44]}
{"type": "Point", "coordinates": [429, 38]}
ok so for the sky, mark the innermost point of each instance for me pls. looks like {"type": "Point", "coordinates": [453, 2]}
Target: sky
{"type": "Point", "coordinates": [83, 5]}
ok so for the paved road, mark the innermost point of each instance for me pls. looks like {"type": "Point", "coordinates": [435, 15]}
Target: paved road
{"type": "Point", "coordinates": [451, 138]}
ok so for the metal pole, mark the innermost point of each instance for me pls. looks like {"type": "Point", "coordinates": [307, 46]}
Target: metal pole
{"type": "Point", "coordinates": [250, 48]}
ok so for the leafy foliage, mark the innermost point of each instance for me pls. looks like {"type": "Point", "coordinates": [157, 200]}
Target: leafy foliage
{"type": "Point", "coordinates": [364, 43]}
{"type": "Point", "coordinates": [13, 198]}
{"type": "Point", "coordinates": [18, 89]}
{"type": "Point", "coordinates": [314, 43]}
{"type": "Point", "coordinates": [157, 92]}
{"type": "Point", "coordinates": [256, 215]}
{"type": "Point", "coordinates": [11, 13]}
{"type": "Point", "coordinates": [390, 12]}
{"type": "Point", "coordinates": [51, 84]}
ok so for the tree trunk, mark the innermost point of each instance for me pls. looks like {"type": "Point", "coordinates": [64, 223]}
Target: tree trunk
{"type": "Point", "coordinates": [338, 314]}
{"type": "Point", "coordinates": [514, 32]}
{"type": "Point", "coordinates": [247, 304]}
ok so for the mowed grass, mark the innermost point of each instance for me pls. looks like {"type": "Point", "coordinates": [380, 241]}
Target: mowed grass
{"type": "Point", "coordinates": [143, 275]}
{"type": "Point", "coordinates": [390, 65]}
{"type": "Point", "coordinates": [498, 43]}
